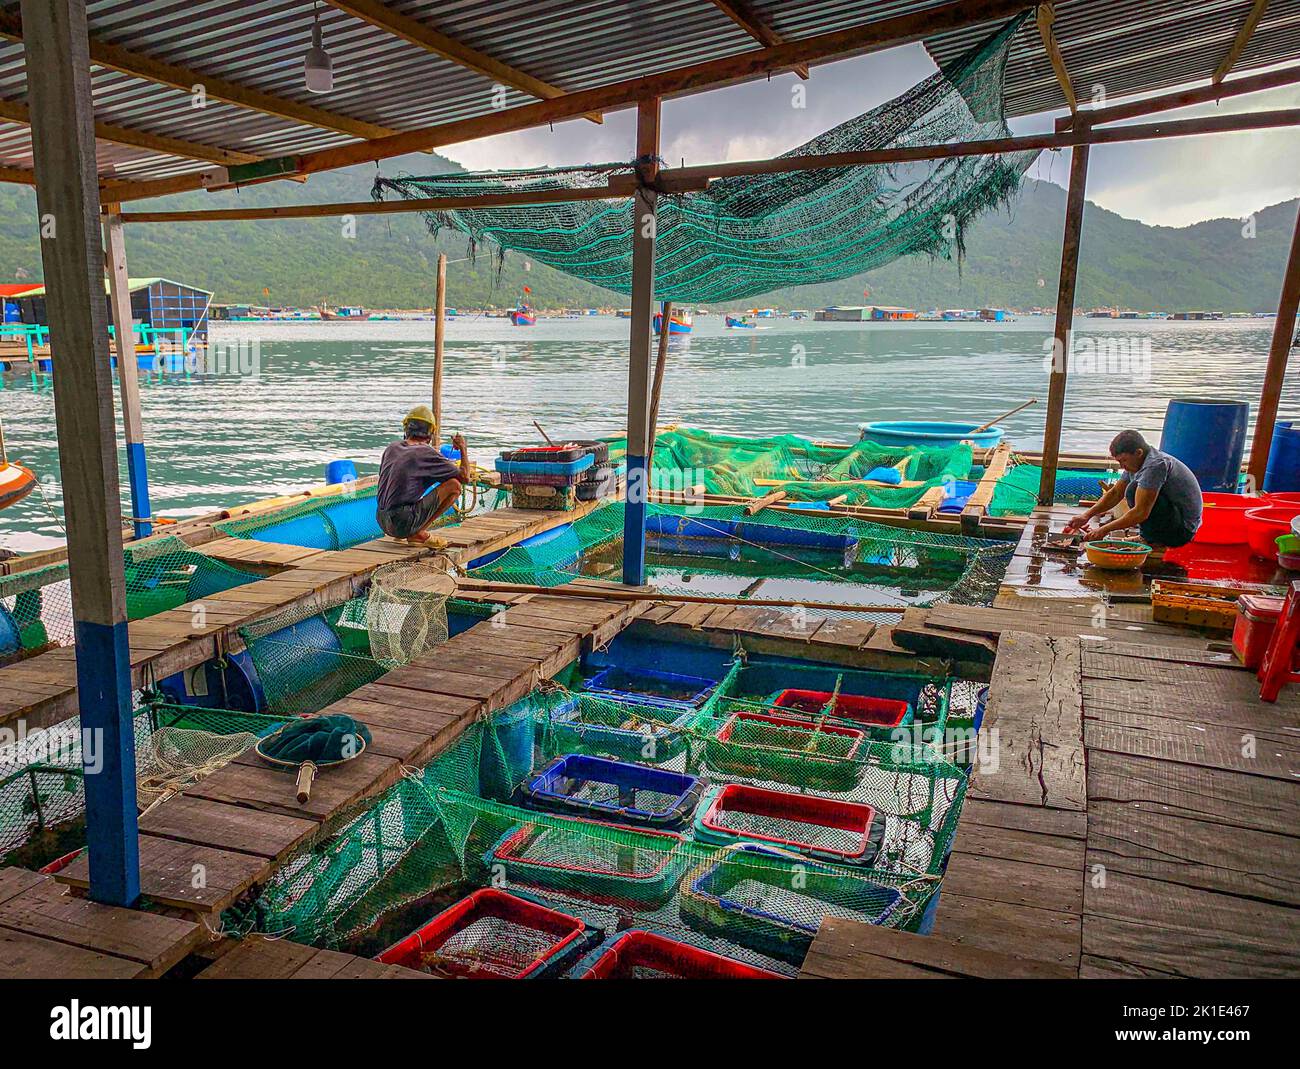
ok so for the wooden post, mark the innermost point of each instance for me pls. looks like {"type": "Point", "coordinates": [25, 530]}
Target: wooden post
{"type": "Point", "coordinates": [1284, 329]}
{"type": "Point", "coordinates": [439, 331]}
{"type": "Point", "coordinates": [1064, 323]}
{"type": "Point", "coordinates": [128, 379]}
{"type": "Point", "coordinates": [656, 389]}
{"type": "Point", "coordinates": [644, 202]}
{"type": "Point", "coordinates": [67, 195]}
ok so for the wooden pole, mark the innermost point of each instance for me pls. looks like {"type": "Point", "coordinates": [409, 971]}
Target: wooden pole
{"type": "Point", "coordinates": [1064, 323]}
{"type": "Point", "coordinates": [644, 221]}
{"type": "Point", "coordinates": [128, 379]}
{"type": "Point", "coordinates": [661, 361]}
{"type": "Point", "coordinates": [1284, 328]}
{"type": "Point", "coordinates": [57, 60]}
{"type": "Point", "coordinates": [439, 332]}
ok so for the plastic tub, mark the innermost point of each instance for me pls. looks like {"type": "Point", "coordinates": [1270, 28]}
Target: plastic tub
{"type": "Point", "coordinates": [1223, 518]}
{"type": "Point", "coordinates": [340, 471]}
{"type": "Point", "coordinates": [1209, 436]}
{"type": "Point", "coordinates": [632, 867]}
{"type": "Point", "coordinates": [804, 754]}
{"type": "Point", "coordinates": [1283, 470]}
{"type": "Point", "coordinates": [821, 827]}
{"type": "Point", "coordinates": [638, 954]}
{"type": "Point", "coordinates": [774, 904]}
{"type": "Point", "coordinates": [1263, 525]}
{"type": "Point", "coordinates": [644, 686]}
{"type": "Point", "coordinates": [933, 435]}
{"type": "Point", "coordinates": [870, 712]}
{"type": "Point", "coordinates": [1257, 616]}
{"type": "Point", "coordinates": [492, 935]}
{"type": "Point", "coordinates": [631, 794]}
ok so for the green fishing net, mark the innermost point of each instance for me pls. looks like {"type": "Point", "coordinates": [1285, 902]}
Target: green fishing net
{"type": "Point", "coordinates": [161, 573]}
{"type": "Point", "coordinates": [731, 465]}
{"type": "Point", "coordinates": [1016, 493]}
{"type": "Point", "coordinates": [749, 235]}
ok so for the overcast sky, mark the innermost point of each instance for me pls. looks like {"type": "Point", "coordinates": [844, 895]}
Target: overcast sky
{"type": "Point", "coordinates": [1171, 183]}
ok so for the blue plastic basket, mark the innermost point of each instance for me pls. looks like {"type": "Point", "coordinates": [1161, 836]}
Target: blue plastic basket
{"type": "Point", "coordinates": [773, 903]}
{"type": "Point", "coordinates": [545, 467]}
{"type": "Point", "coordinates": [644, 737]}
{"type": "Point", "coordinates": [621, 684]}
{"type": "Point", "coordinates": [603, 789]}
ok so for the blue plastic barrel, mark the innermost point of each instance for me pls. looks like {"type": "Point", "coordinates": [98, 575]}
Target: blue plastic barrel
{"type": "Point", "coordinates": [506, 753]}
{"type": "Point", "coordinates": [340, 471]}
{"type": "Point", "coordinates": [1283, 471]}
{"type": "Point", "coordinates": [1208, 436]}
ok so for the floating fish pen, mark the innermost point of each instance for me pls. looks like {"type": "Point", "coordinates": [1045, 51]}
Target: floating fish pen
{"type": "Point", "coordinates": [340, 521]}
{"type": "Point", "coordinates": [783, 555]}
{"type": "Point", "coordinates": [161, 574]}
{"type": "Point", "coordinates": [691, 835]}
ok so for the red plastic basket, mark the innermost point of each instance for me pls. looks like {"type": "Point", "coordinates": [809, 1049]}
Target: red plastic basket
{"type": "Point", "coordinates": [877, 712]}
{"type": "Point", "coordinates": [1263, 525]}
{"type": "Point", "coordinates": [638, 954]}
{"type": "Point", "coordinates": [491, 935]}
{"type": "Point", "coordinates": [847, 831]}
{"type": "Point", "coordinates": [1223, 518]}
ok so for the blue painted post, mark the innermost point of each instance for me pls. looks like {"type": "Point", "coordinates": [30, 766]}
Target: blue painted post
{"type": "Point", "coordinates": [638, 376]}
{"type": "Point", "coordinates": [67, 197]}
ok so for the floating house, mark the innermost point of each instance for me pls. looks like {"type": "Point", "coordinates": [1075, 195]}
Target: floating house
{"type": "Point", "coordinates": [889, 314]}
{"type": "Point", "coordinates": [859, 313]}
{"type": "Point", "coordinates": [158, 304]}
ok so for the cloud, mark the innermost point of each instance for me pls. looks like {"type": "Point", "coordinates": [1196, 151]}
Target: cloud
{"type": "Point", "coordinates": [1172, 183]}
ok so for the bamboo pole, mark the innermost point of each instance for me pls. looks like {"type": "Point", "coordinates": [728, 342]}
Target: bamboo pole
{"type": "Point", "coordinates": [439, 331]}
{"type": "Point", "coordinates": [1278, 354]}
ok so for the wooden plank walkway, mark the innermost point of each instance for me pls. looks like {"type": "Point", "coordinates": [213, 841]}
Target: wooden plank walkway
{"type": "Point", "coordinates": [237, 826]}
{"type": "Point", "coordinates": [259, 958]}
{"type": "Point", "coordinates": [46, 933]}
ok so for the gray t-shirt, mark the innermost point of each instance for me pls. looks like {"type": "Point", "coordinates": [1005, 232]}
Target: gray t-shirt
{"type": "Point", "coordinates": [407, 470]}
{"type": "Point", "coordinates": [1179, 504]}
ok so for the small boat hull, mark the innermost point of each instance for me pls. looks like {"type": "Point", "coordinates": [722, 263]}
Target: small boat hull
{"type": "Point", "coordinates": [933, 435]}
{"type": "Point", "coordinates": [523, 319]}
{"type": "Point", "coordinates": [675, 325]}
{"type": "Point", "coordinates": [16, 483]}
{"type": "Point", "coordinates": [732, 321]}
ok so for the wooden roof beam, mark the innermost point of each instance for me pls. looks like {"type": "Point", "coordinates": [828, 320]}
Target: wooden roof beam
{"type": "Point", "coordinates": [709, 74]}
{"type": "Point", "coordinates": [1240, 42]}
{"type": "Point", "coordinates": [1046, 19]}
{"type": "Point", "coordinates": [138, 65]}
{"type": "Point", "coordinates": [18, 176]}
{"type": "Point", "coordinates": [17, 112]}
{"type": "Point", "coordinates": [748, 20]}
{"type": "Point", "coordinates": [424, 36]}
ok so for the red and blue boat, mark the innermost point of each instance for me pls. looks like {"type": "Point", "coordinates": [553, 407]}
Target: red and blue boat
{"type": "Point", "coordinates": [523, 314]}
{"type": "Point", "coordinates": [678, 323]}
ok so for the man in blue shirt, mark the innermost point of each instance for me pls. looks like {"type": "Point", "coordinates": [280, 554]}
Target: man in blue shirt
{"type": "Point", "coordinates": [1156, 493]}
{"type": "Point", "coordinates": [417, 484]}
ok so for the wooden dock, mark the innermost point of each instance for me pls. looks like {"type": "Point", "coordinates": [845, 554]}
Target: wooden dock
{"type": "Point", "coordinates": [1122, 829]}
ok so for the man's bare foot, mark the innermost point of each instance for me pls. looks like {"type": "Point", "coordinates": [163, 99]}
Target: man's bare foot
{"type": "Point", "coordinates": [419, 538]}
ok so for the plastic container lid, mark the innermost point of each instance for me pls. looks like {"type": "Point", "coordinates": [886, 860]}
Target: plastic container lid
{"type": "Point", "coordinates": [1260, 608]}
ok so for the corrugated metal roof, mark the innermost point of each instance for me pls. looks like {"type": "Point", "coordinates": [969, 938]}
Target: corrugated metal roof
{"type": "Point", "coordinates": [388, 83]}
{"type": "Point", "coordinates": [1121, 47]}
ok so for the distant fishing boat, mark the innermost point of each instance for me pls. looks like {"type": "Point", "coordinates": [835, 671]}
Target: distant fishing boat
{"type": "Point", "coordinates": [739, 321]}
{"type": "Point", "coordinates": [523, 314]}
{"type": "Point", "coordinates": [678, 323]}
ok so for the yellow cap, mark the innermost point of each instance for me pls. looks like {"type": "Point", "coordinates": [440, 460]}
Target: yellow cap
{"type": "Point", "coordinates": [420, 413]}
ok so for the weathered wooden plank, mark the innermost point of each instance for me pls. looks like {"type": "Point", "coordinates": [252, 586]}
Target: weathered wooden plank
{"type": "Point", "coordinates": [1106, 699]}
{"type": "Point", "coordinates": [1227, 799]}
{"type": "Point", "coordinates": [195, 878]}
{"type": "Point", "coordinates": [1274, 755]}
{"type": "Point", "coordinates": [851, 949]}
{"type": "Point", "coordinates": [28, 957]}
{"type": "Point", "coordinates": [1194, 853]}
{"type": "Point", "coordinates": [1016, 930]}
{"type": "Point", "coordinates": [1016, 845]}
{"type": "Point", "coordinates": [1136, 926]}
{"type": "Point", "coordinates": [1069, 823]}
{"type": "Point", "coordinates": [1017, 882]}
{"type": "Point", "coordinates": [48, 912]}
{"type": "Point", "coordinates": [201, 821]}
{"type": "Point", "coordinates": [248, 782]}
{"type": "Point", "coordinates": [1035, 712]}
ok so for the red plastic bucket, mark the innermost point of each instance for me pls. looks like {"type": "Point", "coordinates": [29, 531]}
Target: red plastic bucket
{"type": "Point", "coordinates": [1263, 525]}
{"type": "Point", "coordinates": [1223, 519]}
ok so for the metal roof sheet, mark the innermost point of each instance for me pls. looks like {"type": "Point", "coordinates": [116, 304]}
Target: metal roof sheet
{"type": "Point", "coordinates": [389, 83]}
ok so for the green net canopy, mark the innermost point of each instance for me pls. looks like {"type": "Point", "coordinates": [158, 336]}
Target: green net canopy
{"type": "Point", "coordinates": [749, 235]}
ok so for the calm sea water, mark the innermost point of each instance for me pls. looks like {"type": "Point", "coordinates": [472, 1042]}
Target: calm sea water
{"type": "Point", "coordinates": [339, 390]}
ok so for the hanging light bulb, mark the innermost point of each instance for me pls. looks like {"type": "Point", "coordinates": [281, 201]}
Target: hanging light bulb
{"type": "Point", "coordinates": [318, 67]}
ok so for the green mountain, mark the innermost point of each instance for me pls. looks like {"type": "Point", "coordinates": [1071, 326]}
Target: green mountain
{"type": "Point", "coordinates": [1012, 259]}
